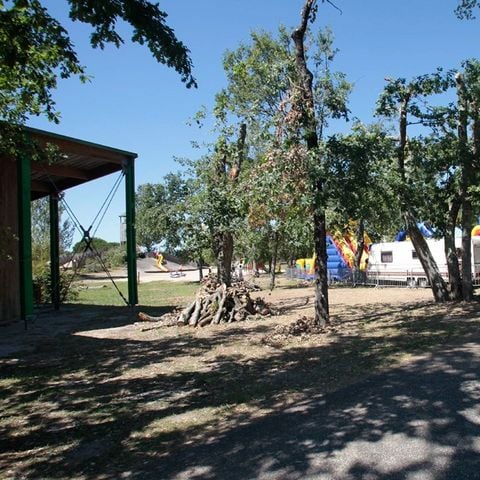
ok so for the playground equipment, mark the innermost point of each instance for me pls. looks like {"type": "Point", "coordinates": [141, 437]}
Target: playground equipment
{"type": "Point", "coordinates": [424, 228]}
{"type": "Point", "coordinates": [160, 263]}
{"type": "Point", "coordinates": [341, 250]}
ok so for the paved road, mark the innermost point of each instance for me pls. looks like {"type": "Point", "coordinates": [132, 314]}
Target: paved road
{"type": "Point", "coordinates": [421, 421]}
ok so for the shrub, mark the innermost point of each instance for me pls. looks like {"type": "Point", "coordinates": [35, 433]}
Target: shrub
{"type": "Point", "coordinates": [115, 256]}
{"type": "Point", "coordinates": [42, 287]}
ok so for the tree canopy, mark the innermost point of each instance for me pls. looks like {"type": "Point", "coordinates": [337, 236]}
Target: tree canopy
{"type": "Point", "coordinates": [36, 50]}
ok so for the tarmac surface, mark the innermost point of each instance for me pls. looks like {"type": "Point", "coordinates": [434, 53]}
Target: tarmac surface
{"type": "Point", "coordinates": [417, 422]}
{"type": "Point", "coordinates": [148, 271]}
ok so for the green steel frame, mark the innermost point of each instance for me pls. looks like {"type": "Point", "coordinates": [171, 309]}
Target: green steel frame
{"type": "Point", "coordinates": [54, 251]}
{"type": "Point", "coordinates": [24, 174]}
{"type": "Point", "coordinates": [130, 232]}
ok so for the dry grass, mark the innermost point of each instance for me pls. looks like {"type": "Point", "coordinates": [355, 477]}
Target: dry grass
{"type": "Point", "coordinates": [102, 402]}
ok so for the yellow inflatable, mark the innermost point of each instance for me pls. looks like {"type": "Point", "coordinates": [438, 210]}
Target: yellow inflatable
{"type": "Point", "coordinates": [476, 231]}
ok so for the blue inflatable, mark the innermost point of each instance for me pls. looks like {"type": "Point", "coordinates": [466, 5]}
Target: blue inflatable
{"type": "Point", "coordinates": [424, 227]}
{"type": "Point", "coordinates": [336, 265]}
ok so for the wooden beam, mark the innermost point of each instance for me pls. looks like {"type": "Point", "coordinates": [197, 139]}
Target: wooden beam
{"type": "Point", "coordinates": [82, 148]}
{"type": "Point", "coordinates": [25, 238]}
{"type": "Point", "coordinates": [60, 171]}
{"type": "Point", "coordinates": [42, 187]}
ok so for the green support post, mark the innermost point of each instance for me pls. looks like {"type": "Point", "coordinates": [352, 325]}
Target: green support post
{"type": "Point", "coordinates": [25, 237]}
{"type": "Point", "coordinates": [54, 251]}
{"type": "Point", "coordinates": [130, 232]}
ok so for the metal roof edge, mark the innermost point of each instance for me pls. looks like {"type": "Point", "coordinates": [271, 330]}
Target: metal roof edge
{"type": "Point", "coordinates": [81, 142]}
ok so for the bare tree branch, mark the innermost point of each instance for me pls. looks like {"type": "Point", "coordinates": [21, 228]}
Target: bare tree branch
{"type": "Point", "coordinates": [335, 6]}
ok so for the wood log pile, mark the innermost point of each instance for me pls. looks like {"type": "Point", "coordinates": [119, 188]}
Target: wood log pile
{"type": "Point", "coordinates": [216, 303]}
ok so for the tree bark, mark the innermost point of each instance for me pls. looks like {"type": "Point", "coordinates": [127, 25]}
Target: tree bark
{"type": "Point", "coordinates": [274, 260]}
{"type": "Point", "coordinates": [451, 255]}
{"type": "Point", "coordinates": [223, 242]}
{"type": "Point", "coordinates": [430, 267]}
{"type": "Point", "coordinates": [309, 124]}
{"type": "Point", "coordinates": [466, 177]}
{"type": "Point", "coordinates": [223, 272]}
{"type": "Point", "coordinates": [467, 224]}
{"type": "Point", "coordinates": [322, 313]}
{"type": "Point", "coordinates": [360, 239]}
{"type": "Point", "coordinates": [200, 269]}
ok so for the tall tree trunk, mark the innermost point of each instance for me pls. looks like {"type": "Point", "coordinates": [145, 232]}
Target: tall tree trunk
{"type": "Point", "coordinates": [451, 255]}
{"type": "Point", "coordinates": [224, 274]}
{"type": "Point", "coordinates": [467, 224]}
{"type": "Point", "coordinates": [430, 267]}
{"type": "Point", "coordinates": [223, 241]}
{"type": "Point", "coordinates": [322, 313]}
{"type": "Point", "coordinates": [309, 124]}
{"type": "Point", "coordinates": [227, 257]}
{"type": "Point", "coordinates": [200, 269]}
{"type": "Point", "coordinates": [274, 260]}
{"type": "Point", "coordinates": [466, 177]}
{"type": "Point", "coordinates": [360, 240]}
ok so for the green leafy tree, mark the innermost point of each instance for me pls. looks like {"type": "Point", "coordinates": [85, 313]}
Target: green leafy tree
{"type": "Point", "coordinates": [401, 100]}
{"type": "Point", "coordinates": [305, 119]}
{"type": "Point", "coordinates": [36, 51]}
{"type": "Point", "coordinates": [434, 171]}
{"type": "Point", "coordinates": [331, 88]}
{"type": "Point", "coordinates": [259, 76]}
{"type": "Point", "coordinates": [41, 233]}
{"type": "Point", "coordinates": [445, 163]}
{"type": "Point", "coordinates": [159, 213]}
{"type": "Point", "coordinates": [359, 183]}
{"type": "Point", "coordinates": [150, 200]}
{"type": "Point", "coordinates": [466, 8]}
{"type": "Point", "coordinates": [97, 243]}
{"type": "Point", "coordinates": [223, 198]}
{"type": "Point", "coordinates": [264, 90]}
{"type": "Point", "coordinates": [149, 28]}
{"type": "Point", "coordinates": [468, 155]}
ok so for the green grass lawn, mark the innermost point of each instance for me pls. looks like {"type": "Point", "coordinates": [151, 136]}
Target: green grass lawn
{"type": "Point", "coordinates": [159, 294]}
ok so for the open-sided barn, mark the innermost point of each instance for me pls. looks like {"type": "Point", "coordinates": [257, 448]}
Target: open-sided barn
{"type": "Point", "coordinates": [23, 180]}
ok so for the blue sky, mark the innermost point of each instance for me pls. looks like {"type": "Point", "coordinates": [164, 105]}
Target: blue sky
{"type": "Point", "coordinates": [132, 103]}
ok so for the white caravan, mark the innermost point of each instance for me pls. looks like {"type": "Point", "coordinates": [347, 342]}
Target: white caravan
{"type": "Point", "coordinates": [398, 263]}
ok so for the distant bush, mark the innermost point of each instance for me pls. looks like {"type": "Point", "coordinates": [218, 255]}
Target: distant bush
{"type": "Point", "coordinates": [115, 256]}
{"type": "Point", "coordinates": [42, 287]}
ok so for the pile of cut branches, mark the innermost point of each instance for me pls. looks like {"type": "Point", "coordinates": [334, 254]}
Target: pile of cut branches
{"type": "Point", "coordinates": [303, 327]}
{"type": "Point", "coordinates": [216, 303]}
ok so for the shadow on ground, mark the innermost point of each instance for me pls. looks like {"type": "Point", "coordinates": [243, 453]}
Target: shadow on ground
{"type": "Point", "coordinates": [86, 407]}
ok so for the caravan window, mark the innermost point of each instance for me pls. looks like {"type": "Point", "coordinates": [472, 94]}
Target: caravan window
{"type": "Point", "coordinates": [387, 257]}
{"type": "Point", "coordinates": [414, 254]}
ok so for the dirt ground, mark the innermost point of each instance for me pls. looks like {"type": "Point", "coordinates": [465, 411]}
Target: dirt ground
{"type": "Point", "coordinates": [289, 302]}
{"type": "Point", "coordinates": [92, 394]}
